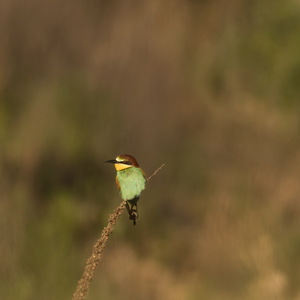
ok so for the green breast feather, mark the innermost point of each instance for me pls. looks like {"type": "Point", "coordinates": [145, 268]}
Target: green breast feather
{"type": "Point", "coordinates": [132, 182]}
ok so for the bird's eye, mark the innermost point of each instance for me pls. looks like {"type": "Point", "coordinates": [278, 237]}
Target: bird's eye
{"type": "Point", "coordinates": [126, 162]}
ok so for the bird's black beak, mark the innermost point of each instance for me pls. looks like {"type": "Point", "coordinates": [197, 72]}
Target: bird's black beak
{"type": "Point", "coordinates": [113, 161]}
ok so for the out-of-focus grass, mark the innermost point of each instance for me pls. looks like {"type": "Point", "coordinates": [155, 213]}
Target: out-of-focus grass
{"type": "Point", "coordinates": [208, 88]}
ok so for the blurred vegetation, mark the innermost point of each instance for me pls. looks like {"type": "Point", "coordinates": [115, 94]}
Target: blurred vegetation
{"type": "Point", "coordinates": [210, 88]}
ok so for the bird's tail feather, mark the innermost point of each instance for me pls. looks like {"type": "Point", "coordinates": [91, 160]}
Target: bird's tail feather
{"type": "Point", "coordinates": [131, 206]}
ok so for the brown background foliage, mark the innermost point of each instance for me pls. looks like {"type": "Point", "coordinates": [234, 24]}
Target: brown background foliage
{"type": "Point", "coordinates": [210, 88]}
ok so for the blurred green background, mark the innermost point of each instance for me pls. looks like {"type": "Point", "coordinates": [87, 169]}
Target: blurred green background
{"type": "Point", "coordinates": [210, 88]}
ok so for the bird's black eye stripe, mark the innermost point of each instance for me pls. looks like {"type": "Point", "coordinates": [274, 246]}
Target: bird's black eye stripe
{"type": "Point", "coordinates": [126, 162]}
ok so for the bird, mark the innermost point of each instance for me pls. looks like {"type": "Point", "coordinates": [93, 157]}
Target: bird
{"type": "Point", "coordinates": [130, 182]}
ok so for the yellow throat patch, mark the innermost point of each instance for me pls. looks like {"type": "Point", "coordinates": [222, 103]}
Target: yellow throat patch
{"type": "Point", "coordinates": [120, 167]}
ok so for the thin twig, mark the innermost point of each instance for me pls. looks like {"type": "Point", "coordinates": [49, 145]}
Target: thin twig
{"type": "Point", "coordinates": [92, 263]}
{"type": "Point", "coordinates": [155, 172]}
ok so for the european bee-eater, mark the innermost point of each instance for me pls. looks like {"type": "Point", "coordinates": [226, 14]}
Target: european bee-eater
{"type": "Point", "coordinates": [130, 182]}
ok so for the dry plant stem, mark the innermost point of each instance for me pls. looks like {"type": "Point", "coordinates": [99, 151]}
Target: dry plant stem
{"type": "Point", "coordinates": [92, 263]}
{"type": "Point", "coordinates": [155, 172]}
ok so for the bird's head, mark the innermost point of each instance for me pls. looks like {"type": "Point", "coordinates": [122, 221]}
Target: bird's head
{"type": "Point", "coordinates": [124, 161]}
